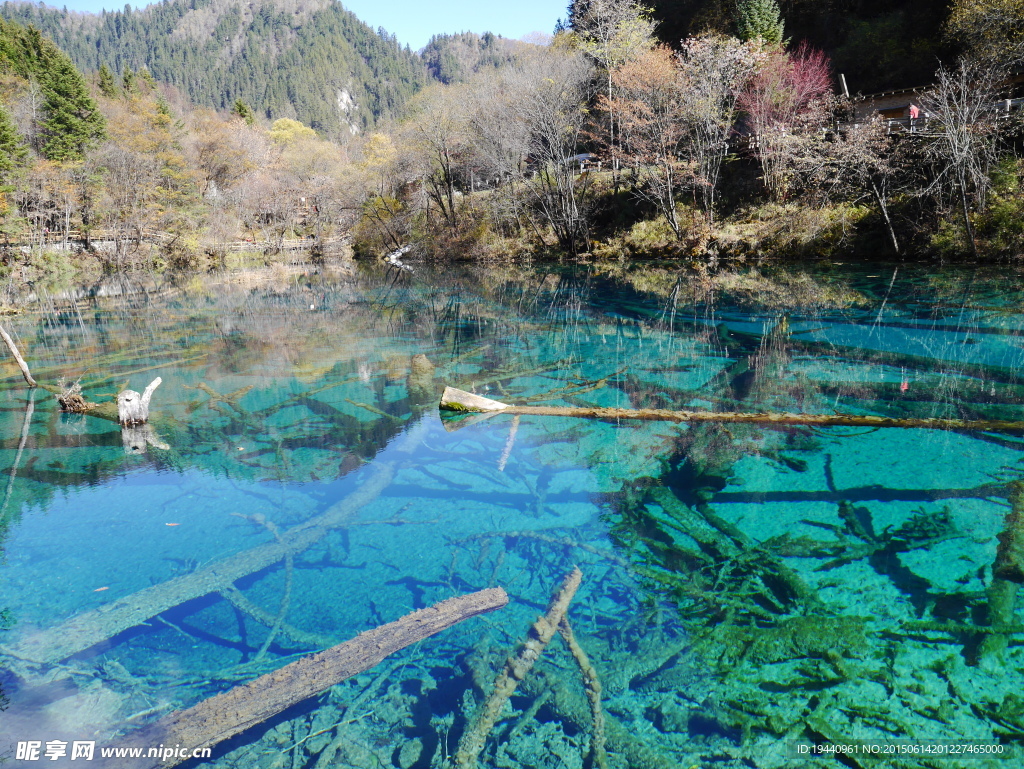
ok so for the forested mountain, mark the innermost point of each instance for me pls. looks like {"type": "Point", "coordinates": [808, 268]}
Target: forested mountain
{"type": "Point", "coordinates": [455, 58]}
{"type": "Point", "coordinates": [63, 123]}
{"type": "Point", "coordinates": [311, 60]}
{"type": "Point", "coordinates": [877, 44]}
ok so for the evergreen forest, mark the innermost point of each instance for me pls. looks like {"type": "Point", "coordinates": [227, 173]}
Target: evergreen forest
{"type": "Point", "coordinates": [310, 60]}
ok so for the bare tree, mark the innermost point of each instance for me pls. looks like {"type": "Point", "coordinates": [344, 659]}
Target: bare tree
{"type": "Point", "coordinates": [438, 135]}
{"type": "Point", "coordinates": [612, 33]}
{"type": "Point", "coordinates": [714, 70]}
{"type": "Point", "coordinates": [555, 88]}
{"type": "Point", "coordinates": [962, 134]}
{"type": "Point", "coordinates": [856, 161]}
{"type": "Point", "coordinates": [501, 143]}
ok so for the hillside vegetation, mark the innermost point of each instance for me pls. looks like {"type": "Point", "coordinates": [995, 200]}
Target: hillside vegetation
{"type": "Point", "coordinates": [602, 143]}
{"type": "Point", "coordinates": [456, 58]}
{"type": "Point", "coordinates": [310, 60]}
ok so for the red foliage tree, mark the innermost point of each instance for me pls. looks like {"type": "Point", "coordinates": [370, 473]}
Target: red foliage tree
{"type": "Point", "coordinates": [781, 101]}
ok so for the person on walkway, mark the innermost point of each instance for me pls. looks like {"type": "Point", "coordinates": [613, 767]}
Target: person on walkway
{"type": "Point", "coordinates": [915, 113]}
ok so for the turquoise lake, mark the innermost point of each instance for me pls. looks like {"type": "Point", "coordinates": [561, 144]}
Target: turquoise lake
{"type": "Point", "coordinates": [748, 590]}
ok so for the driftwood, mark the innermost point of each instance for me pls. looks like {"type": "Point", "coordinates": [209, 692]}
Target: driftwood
{"type": "Point", "coordinates": [460, 401]}
{"type": "Point", "coordinates": [516, 668]}
{"type": "Point", "coordinates": [84, 630]}
{"type": "Point", "coordinates": [130, 409]}
{"type": "Point", "coordinates": [225, 715]}
{"type": "Point", "coordinates": [17, 357]}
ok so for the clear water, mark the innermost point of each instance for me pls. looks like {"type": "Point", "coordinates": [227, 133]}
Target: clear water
{"type": "Point", "coordinates": [746, 588]}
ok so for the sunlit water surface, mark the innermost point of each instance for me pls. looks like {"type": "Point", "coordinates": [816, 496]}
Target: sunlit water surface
{"type": "Point", "coordinates": [746, 588]}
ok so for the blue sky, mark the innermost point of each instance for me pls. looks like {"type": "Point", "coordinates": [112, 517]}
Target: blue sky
{"type": "Point", "coordinates": [414, 21]}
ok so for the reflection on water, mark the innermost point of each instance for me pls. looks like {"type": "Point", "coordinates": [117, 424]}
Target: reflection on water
{"type": "Point", "coordinates": [745, 587]}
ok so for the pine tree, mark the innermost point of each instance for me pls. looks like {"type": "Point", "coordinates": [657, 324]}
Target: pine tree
{"type": "Point", "coordinates": [12, 148]}
{"type": "Point", "coordinates": [244, 111]}
{"type": "Point", "coordinates": [106, 82]}
{"type": "Point", "coordinates": [73, 121]}
{"type": "Point", "coordinates": [759, 19]}
{"type": "Point", "coordinates": [12, 155]}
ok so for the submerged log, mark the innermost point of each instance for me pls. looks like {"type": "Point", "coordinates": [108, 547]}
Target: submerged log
{"type": "Point", "coordinates": [84, 630]}
{"type": "Point", "coordinates": [460, 401]}
{"type": "Point", "coordinates": [592, 686]}
{"type": "Point", "coordinates": [225, 715]}
{"type": "Point", "coordinates": [1009, 563]}
{"type": "Point", "coordinates": [516, 668]}
{"type": "Point", "coordinates": [1007, 577]}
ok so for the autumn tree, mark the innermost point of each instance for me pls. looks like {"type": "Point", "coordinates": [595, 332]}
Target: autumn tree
{"type": "Point", "coordinates": [149, 184]}
{"type": "Point", "coordinates": [654, 132]}
{"type": "Point", "coordinates": [989, 29]}
{"type": "Point", "coordinates": [779, 104]}
{"type": "Point", "coordinates": [219, 150]}
{"type": "Point", "coordinates": [311, 170]}
{"type": "Point", "coordinates": [437, 133]}
{"type": "Point", "coordinates": [384, 218]}
{"type": "Point", "coordinates": [611, 33]}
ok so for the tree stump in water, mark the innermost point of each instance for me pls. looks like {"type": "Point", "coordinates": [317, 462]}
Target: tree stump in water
{"type": "Point", "coordinates": [133, 408]}
{"type": "Point", "coordinates": [137, 438]}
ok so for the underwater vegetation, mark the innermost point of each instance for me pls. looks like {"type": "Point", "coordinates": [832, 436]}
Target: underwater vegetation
{"type": "Point", "coordinates": [744, 587]}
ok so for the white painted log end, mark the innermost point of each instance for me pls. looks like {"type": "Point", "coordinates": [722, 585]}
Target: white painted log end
{"type": "Point", "coordinates": [453, 399]}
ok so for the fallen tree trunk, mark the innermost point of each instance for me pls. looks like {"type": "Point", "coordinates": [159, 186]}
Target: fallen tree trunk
{"type": "Point", "coordinates": [84, 630]}
{"type": "Point", "coordinates": [225, 715]}
{"type": "Point", "coordinates": [516, 668]}
{"type": "Point", "coordinates": [17, 357]}
{"type": "Point", "coordinates": [457, 400]}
